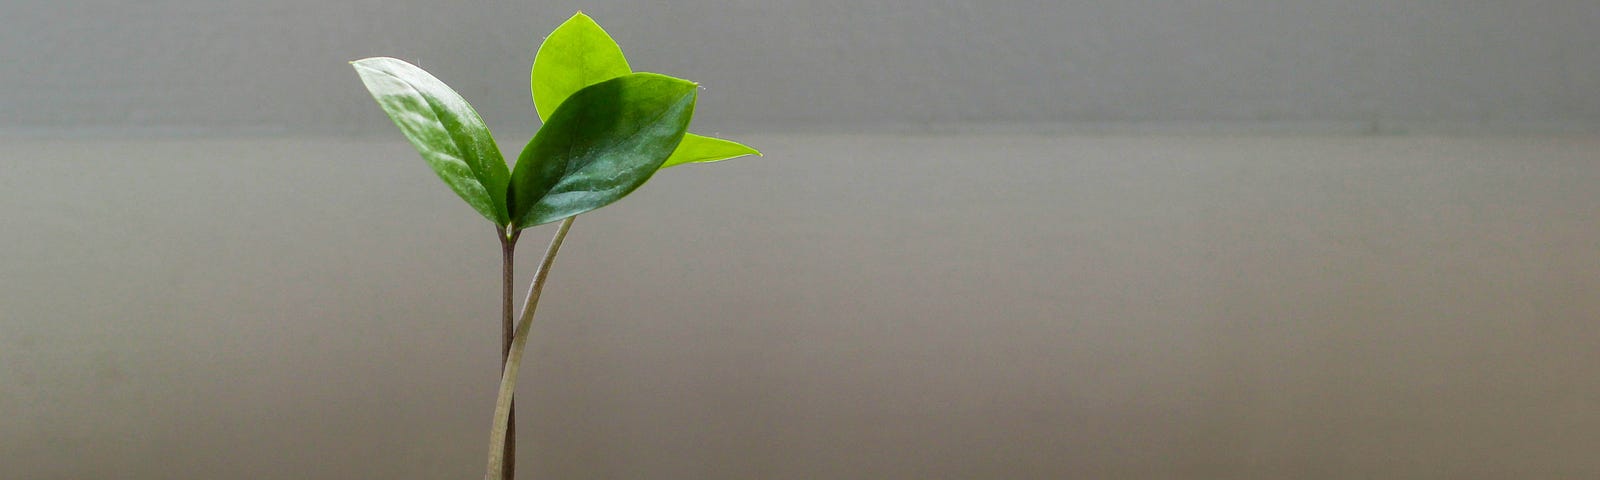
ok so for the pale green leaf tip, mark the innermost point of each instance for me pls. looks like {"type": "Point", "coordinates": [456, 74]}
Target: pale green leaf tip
{"type": "Point", "coordinates": [584, 18]}
{"type": "Point", "coordinates": [751, 149]}
{"type": "Point", "coordinates": [365, 61]}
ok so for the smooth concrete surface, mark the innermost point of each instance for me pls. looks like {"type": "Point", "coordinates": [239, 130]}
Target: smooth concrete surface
{"type": "Point", "coordinates": [849, 307]}
{"type": "Point", "coordinates": [280, 66]}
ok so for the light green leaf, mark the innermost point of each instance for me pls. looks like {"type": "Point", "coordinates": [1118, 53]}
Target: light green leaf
{"type": "Point", "coordinates": [702, 149]}
{"type": "Point", "coordinates": [445, 129]}
{"type": "Point", "coordinates": [600, 145]}
{"type": "Point", "coordinates": [577, 54]}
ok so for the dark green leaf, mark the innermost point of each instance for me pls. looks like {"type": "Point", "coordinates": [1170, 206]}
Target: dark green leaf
{"type": "Point", "coordinates": [701, 149]}
{"type": "Point", "coordinates": [444, 129]}
{"type": "Point", "coordinates": [577, 54]}
{"type": "Point", "coordinates": [602, 143]}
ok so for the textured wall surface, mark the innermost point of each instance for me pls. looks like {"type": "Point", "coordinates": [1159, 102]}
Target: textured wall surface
{"type": "Point", "coordinates": [850, 307]}
{"type": "Point", "coordinates": [182, 65]}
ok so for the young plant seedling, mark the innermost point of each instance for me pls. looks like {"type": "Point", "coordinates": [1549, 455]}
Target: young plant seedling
{"type": "Point", "coordinates": [606, 131]}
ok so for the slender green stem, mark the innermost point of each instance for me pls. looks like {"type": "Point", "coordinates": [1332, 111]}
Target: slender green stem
{"type": "Point", "coordinates": [499, 432]}
{"type": "Point", "coordinates": [508, 249]}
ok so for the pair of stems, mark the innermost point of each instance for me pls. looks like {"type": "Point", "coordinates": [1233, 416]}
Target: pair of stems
{"type": "Point", "coordinates": [513, 340]}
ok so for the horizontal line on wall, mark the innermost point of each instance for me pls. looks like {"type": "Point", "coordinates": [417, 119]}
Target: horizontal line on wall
{"type": "Point", "coordinates": [911, 128]}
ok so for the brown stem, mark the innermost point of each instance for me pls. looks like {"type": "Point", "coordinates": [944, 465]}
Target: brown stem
{"type": "Point", "coordinates": [508, 248]}
{"type": "Point", "coordinates": [498, 433]}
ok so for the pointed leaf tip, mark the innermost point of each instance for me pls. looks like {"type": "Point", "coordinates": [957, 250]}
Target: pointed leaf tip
{"type": "Point", "coordinates": [703, 149]}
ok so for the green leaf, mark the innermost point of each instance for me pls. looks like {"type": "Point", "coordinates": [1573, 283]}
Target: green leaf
{"type": "Point", "coordinates": [701, 149]}
{"type": "Point", "coordinates": [577, 54]}
{"type": "Point", "coordinates": [445, 129]}
{"type": "Point", "coordinates": [600, 145]}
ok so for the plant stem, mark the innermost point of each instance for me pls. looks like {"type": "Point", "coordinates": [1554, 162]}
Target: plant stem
{"type": "Point", "coordinates": [508, 248]}
{"type": "Point", "coordinates": [499, 433]}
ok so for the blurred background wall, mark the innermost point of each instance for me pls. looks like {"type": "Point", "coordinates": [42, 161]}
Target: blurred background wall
{"type": "Point", "coordinates": [1007, 239]}
{"type": "Point", "coordinates": [235, 66]}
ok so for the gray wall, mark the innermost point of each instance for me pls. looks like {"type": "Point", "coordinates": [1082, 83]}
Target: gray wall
{"type": "Point", "coordinates": [1118, 307]}
{"type": "Point", "coordinates": [185, 65]}
{"type": "Point", "coordinates": [849, 307]}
